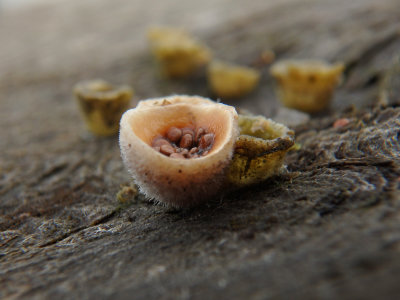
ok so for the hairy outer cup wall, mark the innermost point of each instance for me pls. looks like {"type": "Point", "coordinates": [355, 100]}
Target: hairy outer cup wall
{"type": "Point", "coordinates": [178, 182]}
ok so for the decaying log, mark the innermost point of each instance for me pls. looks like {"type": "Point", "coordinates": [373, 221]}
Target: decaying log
{"type": "Point", "coordinates": [328, 228]}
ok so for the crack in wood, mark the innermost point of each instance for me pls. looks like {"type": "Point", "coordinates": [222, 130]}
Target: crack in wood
{"type": "Point", "coordinates": [355, 162]}
{"type": "Point", "coordinates": [99, 221]}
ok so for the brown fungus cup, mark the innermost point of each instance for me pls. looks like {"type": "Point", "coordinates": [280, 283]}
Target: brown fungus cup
{"type": "Point", "coordinates": [102, 105]}
{"type": "Point", "coordinates": [259, 150]}
{"type": "Point", "coordinates": [178, 149]}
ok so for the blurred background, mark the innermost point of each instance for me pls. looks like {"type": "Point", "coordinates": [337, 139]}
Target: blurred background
{"type": "Point", "coordinates": [59, 43]}
{"type": "Point", "coordinates": [46, 47]}
{"type": "Point", "coordinates": [10, 4]}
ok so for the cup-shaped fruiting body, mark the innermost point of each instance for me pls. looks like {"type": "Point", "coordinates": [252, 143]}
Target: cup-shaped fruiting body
{"type": "Point", "coordinates": [306, 85]}
{"type": "Point", "coordinates": [259, 150]}
{"type": "Point", "coordinates": [178, 54]}
{"type": "Point", "coordinates": [102, 105]}
{"type": "Point", "coordinates": [231, 81]}
{"type": "Point", "coordinates": [178, 148]}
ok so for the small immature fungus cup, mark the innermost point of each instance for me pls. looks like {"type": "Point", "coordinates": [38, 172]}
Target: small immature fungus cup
{"type": "Point", "coordinates": [102, 105]}
{"type": "Point", "coordinates": [306, 85]}
{"type": "Point", "coordinates": [259, 150]}
{"type": "Point", "coordinates": [231, 81]}
{"type": "Point", "coordinates": [178, 53]}
{"type": "Point", "coordinates": [178, 149]}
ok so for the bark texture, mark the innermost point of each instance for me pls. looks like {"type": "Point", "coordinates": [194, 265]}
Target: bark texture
{"type": "Point", "coordinates": [328, 229]}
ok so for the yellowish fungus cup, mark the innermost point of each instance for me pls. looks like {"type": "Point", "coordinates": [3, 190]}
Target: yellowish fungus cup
{"type": "Point", "coordinates": [178, 149]}
{"type": "Point", "coordinates": [102, 105]}
{"type": "Point", "coordinates": [306, 85]}
{"type": "Point", "coordinates": [178, 53]}
{"type": "Point", "coordinates": [231, 81]}
{"type": "Point", "coordinates": [259, 150]}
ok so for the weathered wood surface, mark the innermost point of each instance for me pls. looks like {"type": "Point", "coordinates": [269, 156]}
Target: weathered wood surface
{"type": "Point", "coordinates": [328, 229]}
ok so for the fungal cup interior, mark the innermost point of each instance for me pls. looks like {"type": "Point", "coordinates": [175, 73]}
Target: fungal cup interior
{"type": "Point", "coordinates": [149, 123]}
{"type": "Point", "coordinates": [259, 128]}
